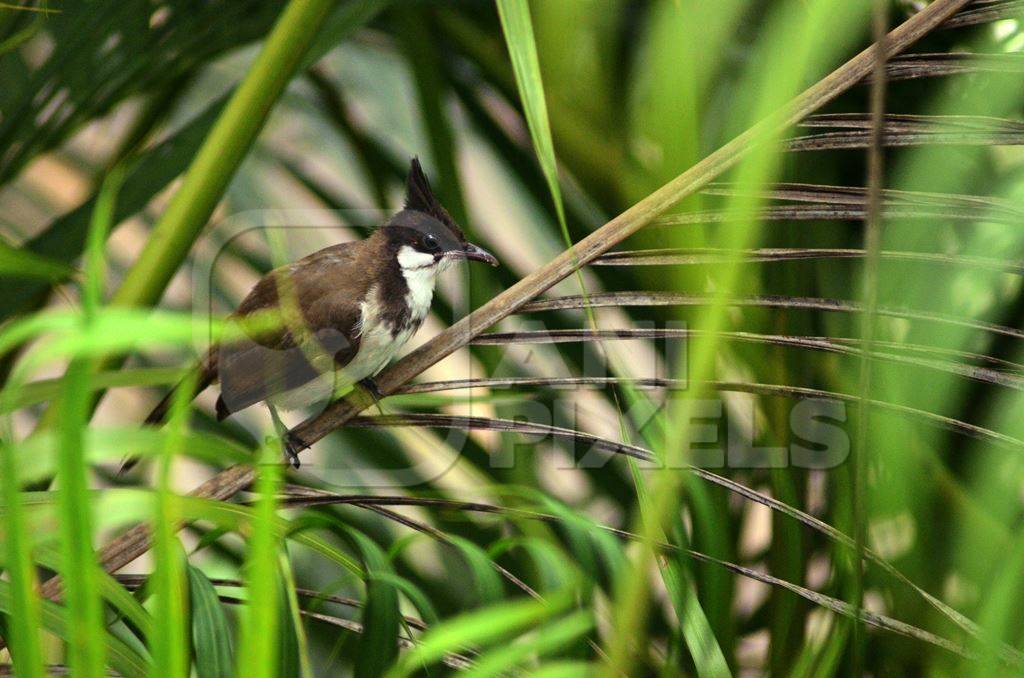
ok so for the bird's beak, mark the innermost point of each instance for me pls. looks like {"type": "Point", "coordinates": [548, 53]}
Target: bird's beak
{"type": "Point", "coordinates": [471, 251]}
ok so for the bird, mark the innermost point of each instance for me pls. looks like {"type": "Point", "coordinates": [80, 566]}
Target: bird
{"type": "Point", "coordinates": [355, 304]}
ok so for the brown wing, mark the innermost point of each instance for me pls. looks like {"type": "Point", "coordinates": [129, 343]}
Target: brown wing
{"type": "Point", "coordinates": [273, 362]}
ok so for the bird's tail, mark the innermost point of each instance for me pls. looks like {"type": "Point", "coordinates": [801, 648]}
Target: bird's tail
{"type": "Point", "coordinates": [200, 376]}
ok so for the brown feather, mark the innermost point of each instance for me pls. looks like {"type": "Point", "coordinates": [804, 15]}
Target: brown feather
{"type": "Point", "coordinates": [271, 363]}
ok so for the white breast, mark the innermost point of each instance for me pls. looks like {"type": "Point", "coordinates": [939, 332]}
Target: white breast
{"type": "Point", "coordinates": [379, 340]}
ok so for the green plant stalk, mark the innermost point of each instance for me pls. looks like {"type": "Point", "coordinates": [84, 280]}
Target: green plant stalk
{"type": "Point", "coordinates": [81, 581]}
{"type": "Point", "coordinates": [295, 612]}
{"type": "Point", "coordinates": [257, 652]}
{"type": "Point", "coordinates": [26, 619]}
{"type": "Point", "coordinates": [872, 249]}
{"type": "Point", "coordinates": [86, 630]}
{"type": "Point", "coordinates": [222, 152]}
{"type": "Point", "coordinates": [170, 639]}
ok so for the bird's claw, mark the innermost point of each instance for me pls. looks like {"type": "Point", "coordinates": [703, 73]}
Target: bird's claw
{"type": "Point", "coordinates": [371, 386]}
{"type": "Point", "coordinates": [292, 446]}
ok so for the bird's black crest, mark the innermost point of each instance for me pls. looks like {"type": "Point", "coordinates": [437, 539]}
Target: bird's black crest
{"type": "Point", "coordinates": [420, 197]}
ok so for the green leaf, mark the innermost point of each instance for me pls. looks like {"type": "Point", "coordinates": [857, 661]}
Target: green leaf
{"type": "Point", "coordinates": [80, 569]}
{"type": "Point", "coordinates": [43, 390]}
{"type": "Point", "coordinates": [522, 48]}
{"type": "Point", "coordinates": [378, 645]}
{"type": "Point", "coordinates": [486, 580]}
{"type": "Point", "coordinates": [170, 644]}
{"type": "Point", "coordinates": [549, 638]}
{"type": "Point", "coordinates": [38, 456]}
{"type": "Point", "coordinates": [62, 241]}
{"type": "Point", "coordinates": [211, 635]}
{"type": "Point", "coordinates": [592, 547]}
{"type": "Point", "coordinates": [107, 51]}
{"type": "Point", "coordinates": [20, 263]}
{"type": "Point", "coordinates": [479, 628]}
{"type": "Point", "coordinates": [415, 595]}
{"type": "Point", "coordinates": [120, 598]}
{"type": "Point", "coordinates": [294, 653]}
{"type": "Point", "coordinates": [554, 569]}
{"type": "Point", "coordinates": [23, 599]}
{"type": "Point", "coordinates": [222, 152]}
{"type": "Point", "coordinates": [123, 659]}
{"type": "Point", "coordinates": [260, 620]}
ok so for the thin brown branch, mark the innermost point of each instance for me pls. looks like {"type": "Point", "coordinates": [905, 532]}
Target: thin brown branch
{"type": "Point", "coordinates": [984, 12]}
{"type": "Point", "coordinates": [913, 66]}
{"type": "Point", "coordinates": [707, 255]}
{"type": "Point", "coordinates": [839, 345]}
{"type": "Point", "coordinates": [908, 130]}
{"type": "Point", "coordinates": [647, 298]}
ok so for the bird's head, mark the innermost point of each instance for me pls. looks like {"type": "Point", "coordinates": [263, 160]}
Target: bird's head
{"type": "Point", "coordinates": [423, 234]}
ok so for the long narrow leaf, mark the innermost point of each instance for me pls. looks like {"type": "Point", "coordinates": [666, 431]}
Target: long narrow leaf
{"type": "Point", "coordinates": [211, 637]}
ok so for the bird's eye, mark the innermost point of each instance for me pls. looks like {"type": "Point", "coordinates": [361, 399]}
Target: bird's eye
{"type": "Point", "coordinates": [430, 243]}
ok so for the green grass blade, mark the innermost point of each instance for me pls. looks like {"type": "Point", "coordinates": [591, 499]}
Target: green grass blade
{"type": "Point", "coordinates": [19, 263]}
{"type": "Point", "coordinates": [291, 618]}
{"type": "Point", "coordinates": [415, 595]}
{"type": "Point", "coordinates": [522, 48]}
{"type": "Point", "coordinates": [116, 595]}
{"type": "Point", "coordinates": [258, 658]}
{"type": "Point", "coordinates": [479, 628]}
{"type": "Point", "coordinates": [548, 638]}
{"type": "Point", "coordinates": [81, 571]}
{"type": "Point", "coordinates": [170, 640]}
{"type": "Point", "coordinates": [211, 635]}
{"type": "Point", "coordinates": [564, 669]}
{"type": "Point", "coordinates": [81, 577]}
{"type": "Point", "coordinates": [486, 580]}
{"type": "Point", "coordinates": [23, 622]}
{"type": "Point", "coordinates": [123, 659]}
{"type": "Point", "coordinates": [36, 392]}
{"type": "Point", "coordinates": [378, 645]}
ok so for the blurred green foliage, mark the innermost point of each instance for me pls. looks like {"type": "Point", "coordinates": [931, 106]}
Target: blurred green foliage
{"type": "Point", "coordinates": [154, 143]}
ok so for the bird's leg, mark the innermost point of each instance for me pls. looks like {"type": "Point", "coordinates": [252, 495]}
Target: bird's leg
{"type": "Point", "coordinates": [371, 387]}
{"type": "Point", "coordinates": [292, 445]}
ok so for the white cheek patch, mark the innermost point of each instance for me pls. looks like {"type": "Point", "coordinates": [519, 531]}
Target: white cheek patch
{"type": "Point", "coordinates": [408, 259]}
{"type": "Point", "coordinates": [420, 272]}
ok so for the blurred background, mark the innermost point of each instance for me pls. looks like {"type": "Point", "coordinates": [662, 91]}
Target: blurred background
{"type": "Point", "coordinates": [758, 282]}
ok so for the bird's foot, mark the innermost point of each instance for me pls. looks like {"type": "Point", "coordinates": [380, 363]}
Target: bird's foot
{"type": "Point", "coordinates": [371, 387]}
{"type": "Point", "coordinates": [292, 446]}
